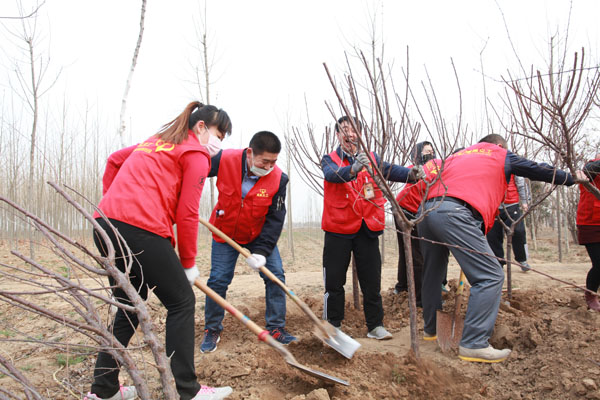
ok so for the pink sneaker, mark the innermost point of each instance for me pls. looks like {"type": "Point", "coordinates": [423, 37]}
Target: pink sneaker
{"type": "Point", "coordinates": [592, 301]}
{"type": "Point", "coordinates": [210, 393]}
{"type": "Point", "coordinates": [124, 393]}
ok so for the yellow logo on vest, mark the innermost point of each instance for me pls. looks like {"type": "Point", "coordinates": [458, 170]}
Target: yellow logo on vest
{"type": "Point", "coordinates": [161, 145]}
{"type": "Point", "coordinates": [262, 193]}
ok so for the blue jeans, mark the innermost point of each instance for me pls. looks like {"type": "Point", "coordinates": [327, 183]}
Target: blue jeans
{"type": "Point", "coordinates": [223, 259]}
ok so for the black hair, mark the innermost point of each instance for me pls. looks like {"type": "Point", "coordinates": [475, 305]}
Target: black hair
{"type": "Point", "coordinates": [345, 118]}
{"type": "Point", "coordinates": [176, 131]}
{"type": "Point", "coordinates": [417, 153]}
{"type": "Point", "coordinates": [494, 138]}
{"type": "Point", "coordinates": [265, 141]}
{"type": "Point", "coordinates": [212, 116]}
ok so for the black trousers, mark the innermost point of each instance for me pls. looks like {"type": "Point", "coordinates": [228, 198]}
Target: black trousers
{"type": "Point", "coordinates": [495, 236]}
{"type": "Point", "coordinates": [592, 281]}
{"type": "Point", "coordinates": [336, 258]}
{"type": "Point", "coordinates": [157, 266]}
{"type": "Point", "coordinates": [417, 256]}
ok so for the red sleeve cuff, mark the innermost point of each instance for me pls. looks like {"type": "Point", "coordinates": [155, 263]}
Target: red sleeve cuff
{"type": "Point", "coordinates": [188, 262]}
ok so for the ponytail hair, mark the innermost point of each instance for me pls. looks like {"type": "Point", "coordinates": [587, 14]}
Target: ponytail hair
{"type": "Point", "coordinates": [177, 130]}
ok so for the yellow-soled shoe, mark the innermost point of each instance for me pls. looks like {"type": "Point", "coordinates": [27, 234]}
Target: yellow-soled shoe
{"type": "Point", "coordinates": [485, 355]}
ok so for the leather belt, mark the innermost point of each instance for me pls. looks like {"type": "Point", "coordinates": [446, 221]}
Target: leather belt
{"type": "Point", "coordinates": [463, 203]}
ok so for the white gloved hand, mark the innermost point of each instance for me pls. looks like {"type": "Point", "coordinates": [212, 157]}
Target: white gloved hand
{"type": "Point", "coordinates": [255, 261]}
{"type": "Point", "coordinates": [192, 274]}
{"type": "Point", "coordinates": [361, 160]}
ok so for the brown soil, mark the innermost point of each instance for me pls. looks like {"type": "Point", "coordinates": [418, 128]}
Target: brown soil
{"type": "Point", "coordinates": [554, 338]}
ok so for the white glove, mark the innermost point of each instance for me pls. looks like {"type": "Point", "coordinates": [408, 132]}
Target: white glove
{"type": "Point", "coordinates": [255, 261]}
{"type": "Point", "coordinates": [192, 274]}
{"type": "Point", "coordinates": [361, 160]}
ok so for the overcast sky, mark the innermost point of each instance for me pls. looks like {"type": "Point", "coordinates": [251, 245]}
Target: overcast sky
{"type": "Point", "coordinates": [269, 55]}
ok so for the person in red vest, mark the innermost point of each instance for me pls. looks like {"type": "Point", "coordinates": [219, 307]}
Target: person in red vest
{"type": "Point", "coordinates": [460, 209]}
{"type": "Point", "coordinates": [588, 230]}
{"type": "Point", "coordinates": [148, 188]}
{"type": "Point", "coordinates": [409, 199]}
{"type": "Point", "coordinates": [250, 210]}
{"type": "Point", "coordinates": [510, 210]}
{"type": "Point", "coordinates": [353, 218]}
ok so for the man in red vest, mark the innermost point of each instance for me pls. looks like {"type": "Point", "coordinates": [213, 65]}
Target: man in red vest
{"type": "Point", "coordinates": [353, 219]}
{"type": "Point", "coordinates": [510, 210]}
{"type": "Point", "coordinates": [461, 207]}
{"type": "Point", "coordinates": [251, 211]}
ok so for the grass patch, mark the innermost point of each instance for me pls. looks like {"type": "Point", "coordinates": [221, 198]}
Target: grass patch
{"type": "Point", "coordinates": [397, 376]}
{"type": "Point", "coordinates": [63, 359]}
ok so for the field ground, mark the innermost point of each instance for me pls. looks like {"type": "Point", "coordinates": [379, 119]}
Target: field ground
{"type": "Point", "coordinates": [555, 339]}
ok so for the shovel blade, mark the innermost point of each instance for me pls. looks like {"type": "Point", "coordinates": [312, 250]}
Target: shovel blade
{"type": "Point", "coordinates": [338, 340]}
{"type": "Point", "coordinates": [318, 374]}
{"type": "Point", "coordinates": [449, 330]}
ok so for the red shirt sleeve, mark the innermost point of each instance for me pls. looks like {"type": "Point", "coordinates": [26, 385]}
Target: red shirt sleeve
{"type": "Point", "coordinates": [113, 164]}
{"type": "Point", "coordinates": [195, 167]}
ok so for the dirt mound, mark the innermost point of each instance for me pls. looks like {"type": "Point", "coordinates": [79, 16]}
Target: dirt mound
{"type": "Point", "coordinates": [554, 338]}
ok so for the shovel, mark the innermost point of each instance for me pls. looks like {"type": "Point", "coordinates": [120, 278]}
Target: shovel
{"type": "Point", "coordinates": [335, 338]}
{"type": "Point", "coordinates": [449, 327]}
{"type": "Point", "coordinates": [263, 335]}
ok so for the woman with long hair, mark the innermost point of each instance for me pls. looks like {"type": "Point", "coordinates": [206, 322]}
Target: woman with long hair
{"type": "Point", "coordinates": [148, 188]}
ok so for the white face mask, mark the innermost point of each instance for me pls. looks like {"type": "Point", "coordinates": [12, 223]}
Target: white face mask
{"type": "Point", "coordinates": [213, 146]}
{"type": "Point", "coordinates": [260, 171]}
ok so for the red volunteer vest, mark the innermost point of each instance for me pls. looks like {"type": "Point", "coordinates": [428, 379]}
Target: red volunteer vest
{"type": "Point", "coordinates": [411, 195]}
{"type": "Point", "coordinates": [475, 175]}
{"type": "Point", "coordinates": [242, 219]}
{"type": "Point", "coordinates": [149, 200]}
{"type": "Point", "coordinates": [345, 206]}
{"type": "Point", "coordinates": [588, 209]}
{"type": "Point", "coordinates": [512, 194]}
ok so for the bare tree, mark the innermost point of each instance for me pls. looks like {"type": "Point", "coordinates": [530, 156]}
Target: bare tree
{"type": "Point", "coordinates": [202, 70]}
{"type": "Point", "coordinates": [136, 52]}
{"type": "Point", "coordinates": [551, 107]}
{"type": "Point", "coordinates": [31, 87]}
{"type": "Point", "coordinates": [83, 300]}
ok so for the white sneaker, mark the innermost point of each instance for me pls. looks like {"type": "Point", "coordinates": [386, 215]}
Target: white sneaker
{"type": "Point", "coordinates": [485, 355]}
{"type": "Point", "coordinates": [379, 333]}
{"type": "Point", "coordinates": [124, 393]}
{"type": "Point", "coordinates": [211, 393]}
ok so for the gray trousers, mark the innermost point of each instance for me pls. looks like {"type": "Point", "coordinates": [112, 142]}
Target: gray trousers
{"type": "Point", "coordinates": [455, 224]}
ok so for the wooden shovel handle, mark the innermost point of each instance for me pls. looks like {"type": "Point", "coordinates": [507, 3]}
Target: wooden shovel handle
{"type": "Point", "coordinates": [262, 334]}
{"type": "Point", "coordinates": [459, 290]}
{"type": "Point", "coordinates": [244, 252]}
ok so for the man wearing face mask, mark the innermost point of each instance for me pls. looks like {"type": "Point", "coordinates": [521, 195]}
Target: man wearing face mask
{"type": "Point", "coordinates": [353, 218]}
{"type": "Point", "coordinates": [251, 210]}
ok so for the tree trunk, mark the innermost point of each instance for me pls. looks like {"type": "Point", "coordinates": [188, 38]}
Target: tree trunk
{"type": "Point", "coordinates": [290, 224]}
{"type": "Point", "coordinates": [30, 196]}
{"type": "Point", "coordinates": [558, 226]}
{"type": "Point", "coordinates": [355, 292]}
{"type": "Point", "coordinates": [509, 237]}
{"type": "Point", "coordinates": [383, 247]}
{"type": "Point", "coordinates": [136, 52]}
